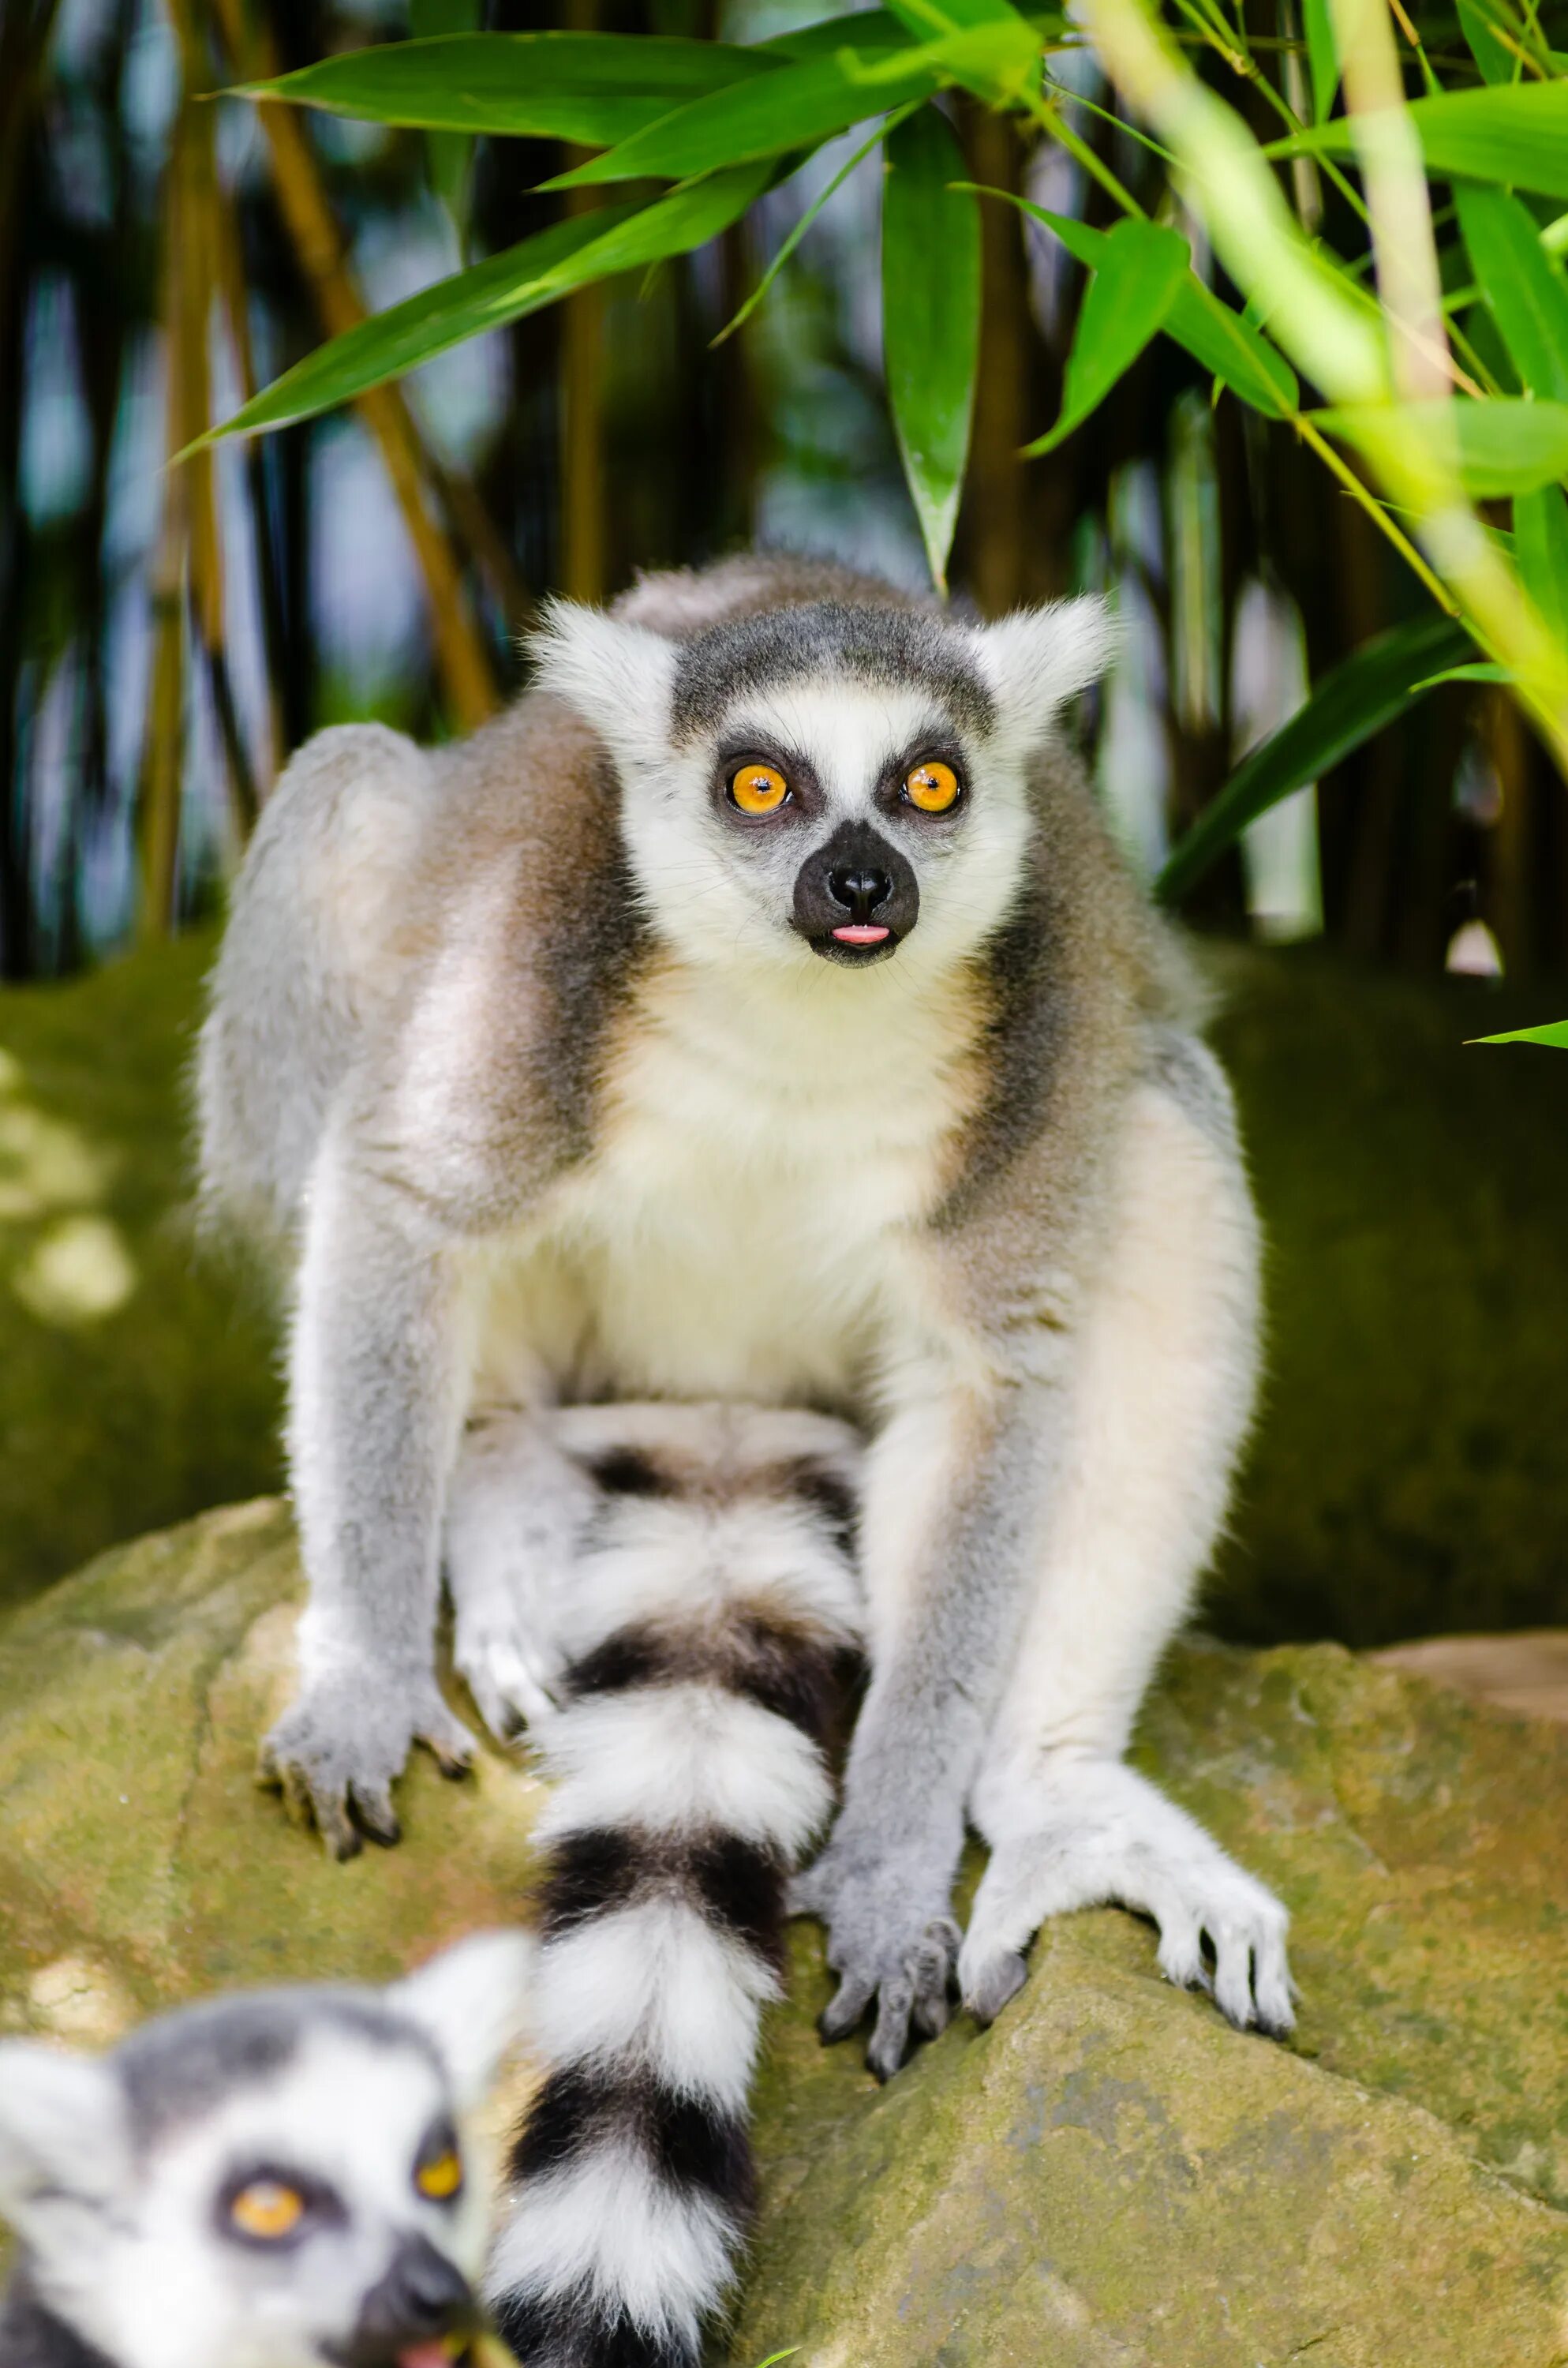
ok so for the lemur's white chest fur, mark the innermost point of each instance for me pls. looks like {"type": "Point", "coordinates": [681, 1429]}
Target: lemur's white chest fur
{"type": "Point", "coordinates": [743, 1229]}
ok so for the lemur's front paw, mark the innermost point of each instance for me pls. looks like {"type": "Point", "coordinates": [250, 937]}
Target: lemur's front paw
{"type": "Point", "coordinates": [334, 1754]}
{"type": "Point", "coordinates": [1088, 1833]}
{"type": "Point", "coordinates": [890, 1939]}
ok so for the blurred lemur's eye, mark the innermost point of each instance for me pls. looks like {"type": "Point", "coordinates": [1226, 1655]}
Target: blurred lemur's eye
{"type": "Point", "coordinates": [438, 2173]}
{"type": "Point", "coordinates": [933, 787]}
{"type": "Point", "coordinates": [267, 2210]}
{"type": "Point", "coordinates": [758, 788]}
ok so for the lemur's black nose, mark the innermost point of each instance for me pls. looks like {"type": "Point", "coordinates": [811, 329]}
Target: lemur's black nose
{"type": "Point", "coordinates": [859, 893]}
{"type": "Point", "coordinates": [422, 2294]}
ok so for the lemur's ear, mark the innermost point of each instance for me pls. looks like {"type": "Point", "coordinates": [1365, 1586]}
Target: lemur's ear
{"type": "Point", "coordinates": [472, 2001]}
{"type": "Point", "coordinates": [62, 2130]}
{"type": "Point", "coordinates": [1036, 659]}
{"type": "Point", "coordinates": [619, 678]}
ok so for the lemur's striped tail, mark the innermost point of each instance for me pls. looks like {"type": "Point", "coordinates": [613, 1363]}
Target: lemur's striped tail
{"type": "Point", "coordinates": [718, 1601]}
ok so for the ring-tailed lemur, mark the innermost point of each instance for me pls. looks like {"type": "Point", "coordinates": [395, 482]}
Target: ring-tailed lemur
{"type": "Point", "coordinates": [272, 2180]}
{"type": "Point", "coordinates": [691, 1598]}
{"type": "Point", "coordinates": [758, 1011]}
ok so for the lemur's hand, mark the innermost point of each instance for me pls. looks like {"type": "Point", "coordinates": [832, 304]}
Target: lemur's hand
{"type": "Point", "coordinates": [334, 1754]}
{"type": "Point", "coordinates": [891, 1939]}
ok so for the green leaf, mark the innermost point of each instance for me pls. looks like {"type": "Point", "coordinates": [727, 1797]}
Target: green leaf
{"type": "Point", "coordinates": [1368, 690]}
{"type": "Point", "coordinates": [450, 153]}
{"type": "Point", "coordinates": [523, 279]}
{"type": "Point", "coordinates": [788, 245]}
{"type": "Point", "coordinates": [1482, 671]}
{"type": "Point", "coordinates": [1556, 1031]}
{"type": "Point", "coordinates": [806, 102]}
{"type": "Point", "coordinates": [1506, 445]}
{"type": "Point", "coordinates": [1129, 298]}
{"type": "Point", "coordinates": [930, 320]}
{"type": "Point", "coordinates": [1516, 135]}
{"type": "Point", "coordinates": [1223, 341]}
{"type": "Point", "coordinates": [1523, 293]}
{"type": "Point", "coordinates": [1496, 63]}
{"type": "Point", "coordinates": [1541, 546]}
{"type": "Point", "coordinates": [590, 88]}
{"type": "Point", "coordinates": [1323, 57]}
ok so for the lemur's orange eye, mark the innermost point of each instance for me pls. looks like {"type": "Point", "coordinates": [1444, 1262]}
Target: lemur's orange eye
{"type": "Point", "coordinates": [933, 787]}
{"type": "Point", "coordinates": [758, 789]}
{"type": "Point", "coordinates": [439, 2176]}
{"type": "Point", "coordinates": [266, 2210]}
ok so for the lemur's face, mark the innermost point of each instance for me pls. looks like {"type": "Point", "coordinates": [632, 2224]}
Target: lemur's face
{"type": "Point", "coordinates": [269, 2183]}
{"type": "Point", "coordinates": [826, 781]}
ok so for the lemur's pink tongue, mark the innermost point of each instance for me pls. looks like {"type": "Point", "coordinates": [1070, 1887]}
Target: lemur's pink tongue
{"type": "Point", "coordinates": [862, 933]}
{"type": "Point", "coordinates": [426, 2355]}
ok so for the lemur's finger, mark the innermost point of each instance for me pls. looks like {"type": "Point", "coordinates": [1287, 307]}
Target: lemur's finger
{"type": "Point", "coordinates": [1272, 1984]}
{"type": "Point", "coordinates": [932, 1969]}
{"type": "Point", "coordinates": [1180, 1951]}
{"type": "Point", "coordinates": [842, 2013]}
{"type": "Point", "coordinates": [990, 1980]}
{"type": "Point", "coordinates": [450, 1742]}
{"type": "Point", "coordinates": [1232, 1974]}
{"type": "Point", "coordinates": [889, 2040]}
{"type": "Point", "coordinates": [373, 1809]}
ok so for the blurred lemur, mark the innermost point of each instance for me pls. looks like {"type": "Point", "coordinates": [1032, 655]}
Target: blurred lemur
{"type": "Point", "coordinates": [757, 1012]}
{"type": "Point", "coordinates": [277, 2181]}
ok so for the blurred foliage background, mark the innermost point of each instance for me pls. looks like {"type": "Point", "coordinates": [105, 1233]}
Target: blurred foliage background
{"type": "Point", "coordinates": [168, 635]}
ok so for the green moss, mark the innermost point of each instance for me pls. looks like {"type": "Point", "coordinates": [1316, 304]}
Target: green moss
{"type": "Point", "coordinates": [138, 1380]}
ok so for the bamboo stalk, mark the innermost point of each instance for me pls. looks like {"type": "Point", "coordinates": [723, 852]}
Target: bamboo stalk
{"type": "Point", "coordinates": [582, 517]}
{"type": "Point", "coordinates": [163, 743]}
{"type": "Point", "coordinates": [464, 666]}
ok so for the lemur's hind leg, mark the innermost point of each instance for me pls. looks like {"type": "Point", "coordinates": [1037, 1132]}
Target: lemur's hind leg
{"type": "Point", "coordinates": [1161, 1405]}
{"type": "Point", "coordinates": [518, 1514]}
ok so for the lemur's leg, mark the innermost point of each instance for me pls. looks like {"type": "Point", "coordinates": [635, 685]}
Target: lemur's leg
{"type": "Point", "coordinates": [516, 1513]}
{"type": "Point", "coordinates": [1161, 1401]}
{"type": "Point", "coordinates": [379, 1374]}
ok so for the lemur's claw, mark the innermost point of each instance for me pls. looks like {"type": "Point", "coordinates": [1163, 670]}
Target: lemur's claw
{"type": "Point", "coordinates": [335, 1754]}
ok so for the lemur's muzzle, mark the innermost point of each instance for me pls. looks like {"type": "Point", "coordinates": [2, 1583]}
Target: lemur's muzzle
{"type": "Point", "coordinates": [855, 896]}
{"type": "Point", "coordinates": [420, 2315]}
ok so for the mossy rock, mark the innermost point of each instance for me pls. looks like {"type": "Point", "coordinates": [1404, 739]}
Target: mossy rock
{"type": "Point", "coordinates": [1407, 1475]}
{"type": "Point", "coordinates": [1110, 2178]}
{"type": "Point", "coordinates": [138, 1379]}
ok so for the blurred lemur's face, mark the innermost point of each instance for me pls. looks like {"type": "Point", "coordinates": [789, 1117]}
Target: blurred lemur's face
{"type": "Point", "coordinates": [824, 782]}
{"type": "Point", "coordinates": [269, 2183]}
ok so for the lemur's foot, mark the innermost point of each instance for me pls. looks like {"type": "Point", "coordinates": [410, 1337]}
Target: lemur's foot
{"type": "Point", "coordinates": [1090, 1833]}
{"type": "Point", "coordinates": [335, 1755]}
{"type": "Point", "coordinates": [891, 1941]}
{"type": "Point", "coordinates": [509, 1670]}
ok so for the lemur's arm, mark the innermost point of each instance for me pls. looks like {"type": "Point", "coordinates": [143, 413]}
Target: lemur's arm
{"type": "Point", "coordinates": [375, 1406]}
{"type": "Point", "coordinates": [956, 1494]}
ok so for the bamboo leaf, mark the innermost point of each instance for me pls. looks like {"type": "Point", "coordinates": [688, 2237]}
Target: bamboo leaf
{"type": "Point", "coordinates": [788, 246]}
{"type": "Point", "coordinates": [1541, 547]}
{"type": "Point", "coordinates": [1496, 62]}
{"type": "Point", "coordinates": [1516, 135]}
{"type": "Point", "coordinates": [1130, 298]}
{"type": "Point", "coordinates": [1323, 57]}
{"type": "Point", "coordinates": [590, 88]}
{"type": "Point", "coordinates": [1556, 1031]}
{"type": "Point", "coordinates": [1523, 293]}
{"type": "Point", "coordinates": [1223, 341]}
{"type": "Point", "coordinates": [1506, 445]}
{"type": "Point", "coordinates": [930, 320]}
{"type": "Point", "coordinates": [807, 101]}
{"type": "Point", "coordinates": [1370, 689]}
{"type": "Point", "coordinates": [1484, 670]}
{"type": "Point", "coordinates": [523, 279]}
